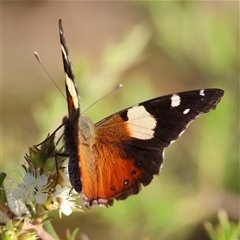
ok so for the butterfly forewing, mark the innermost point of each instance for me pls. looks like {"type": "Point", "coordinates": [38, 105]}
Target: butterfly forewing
{"type": "Point", "coordinates": [137, 136]}
{"type": "Point", "coordinates": [71, 128]}
{"type": "Point", "coordinates": [73, 98]}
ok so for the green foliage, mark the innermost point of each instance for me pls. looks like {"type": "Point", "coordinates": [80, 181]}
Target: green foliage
{"type": "Point", "coordinates": [73, 235]}
{"type": "Point", "coordinates": [225, 230]}
{"type": "Point", "coordinates": [3, 197]}
{"type": "Point", "coordinates": [14, 231]}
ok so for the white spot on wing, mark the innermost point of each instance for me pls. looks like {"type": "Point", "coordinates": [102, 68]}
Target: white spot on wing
{"type": "Point", "coordinates": [186, 111]}
{"type": "Point", "coordinates": [175, 100]}
{"type": "Point", "coordinates": [72, 91]}
{"type": "Point", "coordinates": [202, 92]}
{"type": "Point", "coordinates": [64, 53]}
{"type": "Point", "coordinates": [70, 83]}
{"type": "Point", "coordinates": [141, 123]}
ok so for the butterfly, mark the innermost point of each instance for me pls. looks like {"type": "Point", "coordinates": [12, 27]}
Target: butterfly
{"type": "Point", "coordinates": [113, 158]}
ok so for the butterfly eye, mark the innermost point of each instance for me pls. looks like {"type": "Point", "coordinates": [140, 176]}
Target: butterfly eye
{"type": "Point", "coordinates": [85, 130]}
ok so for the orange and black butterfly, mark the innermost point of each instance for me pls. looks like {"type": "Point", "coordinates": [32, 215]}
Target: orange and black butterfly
{"type": "Point", "coordinates": [114, 157]}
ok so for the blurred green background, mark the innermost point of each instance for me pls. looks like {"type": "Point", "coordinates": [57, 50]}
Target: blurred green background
{"type": "Point", "coordinates": [153, 48]}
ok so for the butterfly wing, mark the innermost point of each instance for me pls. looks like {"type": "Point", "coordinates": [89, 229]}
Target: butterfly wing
{"type": "Point", "coordinates": [128, 146]}
{"type": "Point", "coordinates": [71, 127]}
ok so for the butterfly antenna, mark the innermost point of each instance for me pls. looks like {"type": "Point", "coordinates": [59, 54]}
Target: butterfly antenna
{"type": "Point", "coordinates": [39, 60]}
{"type": "Point", "coordinates": [51, 135]}
{"type": "Point", "coordinates": [114, 90]}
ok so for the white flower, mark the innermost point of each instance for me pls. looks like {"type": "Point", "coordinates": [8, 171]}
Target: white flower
{"type": "Point", "coordinates": [33, 188]}
{"type": "Point", "coordinates": [17, 207]}
{"type": "Point", "coordinates": [66, 202]}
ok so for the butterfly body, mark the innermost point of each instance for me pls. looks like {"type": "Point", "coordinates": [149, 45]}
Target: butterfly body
{"type": "Point", "coordinates": [114, 157]}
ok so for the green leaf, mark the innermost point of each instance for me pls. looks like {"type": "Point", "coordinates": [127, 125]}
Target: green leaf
{"type": "Point", "coordinates": [2, 178]}
{"type": "Point", "coordinates": [3, 197]}
{"type": "Point", "coordinates": [225, 230]}
{"type": "Point", "coordinates": [73, 234]}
